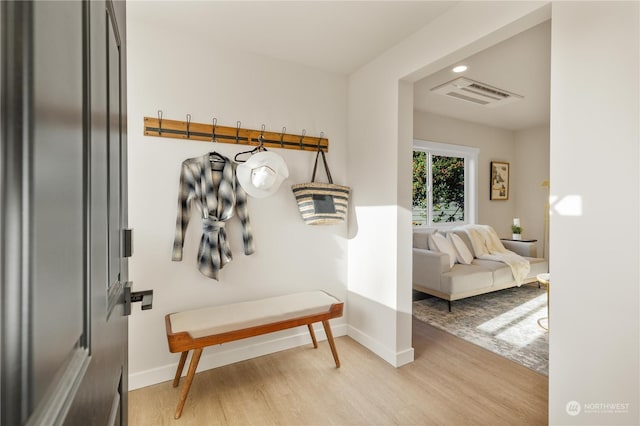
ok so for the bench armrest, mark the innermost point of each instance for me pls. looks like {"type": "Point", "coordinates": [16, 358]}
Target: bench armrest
{"type": "Point", "coordinates": [428, 266]}
{"type": "Point", "coordinates": [523, 248]}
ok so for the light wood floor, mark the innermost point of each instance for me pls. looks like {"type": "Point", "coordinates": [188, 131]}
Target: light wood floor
{"type": "Point", "coordinates": [451, 382]}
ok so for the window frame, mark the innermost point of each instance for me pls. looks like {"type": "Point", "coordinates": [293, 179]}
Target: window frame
{"type": "Point", "coordinates": [470, 155]}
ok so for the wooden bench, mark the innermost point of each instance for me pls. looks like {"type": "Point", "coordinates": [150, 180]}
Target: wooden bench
{"type": "Point", "coordinates": [199, 328]}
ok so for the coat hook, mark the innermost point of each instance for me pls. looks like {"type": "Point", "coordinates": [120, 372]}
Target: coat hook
{"type": "Point", "coordinates": [284, 129]}
{"type": "Point", "coordinates": [304, 132]}
{"type": "Point", "coordinates": [188, 124]}
{"type": "Point", "coordinates": [261, 138]}
{"type": "Point", "coordinates": [213, 129]}
{"type": "Point", "coordinates": [319, 140]}
{"type": "Point", "coordinates": [159, 122]}
{"type": "Point", "coordinates": [237, 130]}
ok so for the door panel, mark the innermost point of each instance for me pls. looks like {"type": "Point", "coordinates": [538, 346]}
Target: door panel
{"type": "Point", "coordinates": [102, 397]}
{"type": "Point", "coordinates": [113, 140]}
{"type": "Point", "coordinates": [57, 211]}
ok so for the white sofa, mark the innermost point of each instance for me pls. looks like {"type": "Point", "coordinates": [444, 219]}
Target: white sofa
{"type": "Point", "coordinates": [434, 275]}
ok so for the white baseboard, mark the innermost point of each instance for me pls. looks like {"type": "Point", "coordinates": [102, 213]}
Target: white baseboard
{"type": "Point", "coordinates": [224, 357]}
{"type": "Point", "coordinates": [396, 359]}
{"type": "Point", "coordinates": [404, 357]}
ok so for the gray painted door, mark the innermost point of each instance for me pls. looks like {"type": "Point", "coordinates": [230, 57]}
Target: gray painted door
{"type": "Point", "coordinates": [64, 208]}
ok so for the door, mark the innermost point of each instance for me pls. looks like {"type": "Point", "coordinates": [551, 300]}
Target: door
{"type": "Point", "coordinates": [64, 209]}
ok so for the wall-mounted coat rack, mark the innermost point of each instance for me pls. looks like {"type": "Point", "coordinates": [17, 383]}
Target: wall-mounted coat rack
{"type": "Point", "coordinates": [233, 135]}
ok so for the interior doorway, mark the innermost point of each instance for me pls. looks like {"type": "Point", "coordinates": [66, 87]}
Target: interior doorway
{"type": "Point", "coordinates": [517, 67]}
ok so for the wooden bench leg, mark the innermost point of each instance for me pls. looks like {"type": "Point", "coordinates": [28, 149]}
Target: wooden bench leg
{"type": "Point", "coordinates": [313, 336]}
{"type": "Point", "coordinates": [183, 358]}
{"type": "Point", "coordinates": [327, 330]}
{"type": "Point", "coordinates": [195, 358]}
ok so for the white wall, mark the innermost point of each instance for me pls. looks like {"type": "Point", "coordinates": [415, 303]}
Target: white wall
{"type": "Point", "coordinates": [190, 74]}
{"type": "Point", "coordinates": [380, 128]}
{"type": "Point", "coordinates": [595, 131]}
{"type": "Point", "coordinates": [530, 169]}
{"type": "Point", "coordinates": [495, 144]}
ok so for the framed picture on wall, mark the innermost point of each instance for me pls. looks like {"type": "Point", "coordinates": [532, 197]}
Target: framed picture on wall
{"type": "Point", "coordinates": [499, 181]}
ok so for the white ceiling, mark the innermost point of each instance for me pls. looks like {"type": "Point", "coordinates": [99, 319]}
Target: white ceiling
{"type": "Point", "coordinates": [342, 36]}
{"type": "Point", "coordinates": [336, 36]}
{"type": "Point", "coordinates": [520, 64]}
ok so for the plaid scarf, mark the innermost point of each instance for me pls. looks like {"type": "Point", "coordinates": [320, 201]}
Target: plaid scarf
{"type": "Point", "coordinates": [216, 194]}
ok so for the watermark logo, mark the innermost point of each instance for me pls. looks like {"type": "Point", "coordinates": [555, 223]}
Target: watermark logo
{"type": "Point", "coordinates": [573, 408]}
{"type": "Point", "coordinates": [606, 407]}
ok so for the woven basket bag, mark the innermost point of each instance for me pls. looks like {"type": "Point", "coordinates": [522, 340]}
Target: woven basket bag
{"type": "Point", "coordinates": [322, 203]}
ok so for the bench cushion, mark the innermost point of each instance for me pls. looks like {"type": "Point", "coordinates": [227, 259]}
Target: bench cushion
{"type": "Point", "coordinates": [237, 316]}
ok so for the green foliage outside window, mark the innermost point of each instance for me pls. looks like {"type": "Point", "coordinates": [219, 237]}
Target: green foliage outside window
{"type": "Point", "coordinates": [448, 186]}
{"type": "Point", "coordinates": [419, 179]}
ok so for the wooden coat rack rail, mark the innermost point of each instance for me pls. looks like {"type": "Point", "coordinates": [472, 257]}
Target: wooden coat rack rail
{"type": "Point", "coordinates": [232, 135]}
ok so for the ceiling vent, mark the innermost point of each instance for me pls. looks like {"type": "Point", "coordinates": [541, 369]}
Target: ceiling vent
{"type": "Point", "coordinates": [476, 92]}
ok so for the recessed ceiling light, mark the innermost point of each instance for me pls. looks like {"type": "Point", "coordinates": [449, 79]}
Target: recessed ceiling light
{"type": "Point", "coordinates": [460, 68]}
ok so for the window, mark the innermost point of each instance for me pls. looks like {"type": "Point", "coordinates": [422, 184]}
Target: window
{"type": "Point", "coordinates": [444, 184]}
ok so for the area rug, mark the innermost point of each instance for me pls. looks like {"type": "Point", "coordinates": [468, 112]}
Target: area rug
{"type": "Point", "coordinates": [504, 322]}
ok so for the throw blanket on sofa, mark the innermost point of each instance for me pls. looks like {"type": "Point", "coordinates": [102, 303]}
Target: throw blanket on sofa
{"type": "Point", "coordinates": [486, 245]}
